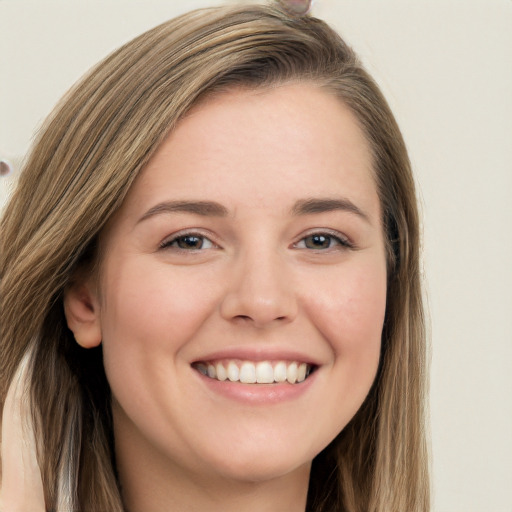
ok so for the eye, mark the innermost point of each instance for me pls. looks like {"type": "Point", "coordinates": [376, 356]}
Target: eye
{"type": "Point", "coordinates": [322, 242]}
{"type": "Point", "coordinates": [188, 242]}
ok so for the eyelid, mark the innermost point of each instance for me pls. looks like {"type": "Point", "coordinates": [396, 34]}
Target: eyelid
{"type": "Point", "coordinates": [343, 240]}
{"type": "Point", "coordinates": [200, 233]}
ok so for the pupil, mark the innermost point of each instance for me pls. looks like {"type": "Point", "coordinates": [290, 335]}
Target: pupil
{"type": "Point", "coordinates": [190, 242]}
{"type": "Point", "coordinates": [318, 242]}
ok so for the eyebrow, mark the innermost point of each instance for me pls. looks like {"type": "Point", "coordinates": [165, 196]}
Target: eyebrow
{"type": "Point", "coordinates": [322, 205]}
{"type": "Point", "coordinates": [203, 208]}
{"type": "Point", "coordinates": [213, 209]}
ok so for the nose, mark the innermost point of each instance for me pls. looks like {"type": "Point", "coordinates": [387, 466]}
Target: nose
{"type": "Point", "coordinates": [260, 291]}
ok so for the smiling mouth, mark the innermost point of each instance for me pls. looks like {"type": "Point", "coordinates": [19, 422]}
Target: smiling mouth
{"type": "Point", "coordinates": [262, 372]}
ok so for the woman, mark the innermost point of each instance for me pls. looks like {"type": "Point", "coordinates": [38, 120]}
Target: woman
{"type": "Point", "coordinates": [210, 281]}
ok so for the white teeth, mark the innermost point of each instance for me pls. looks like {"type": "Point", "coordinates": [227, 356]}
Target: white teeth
{"type": "Point", "coordinates": [291, 373]}
{"type": "Point", "coordinates": [233, 372]}
{"type": "Point", "coordinates": [262, 372]}
{"type": "Point", "coordinates": [280, 372]}
{"type": "Point", "coordinates": [301, 372]}
{"type": "Point", "coordinates": [248, 373]}
{"type": "Point", "coordinates": [221, 372]}
{"type": "Point", "coordinates": [211, 371]}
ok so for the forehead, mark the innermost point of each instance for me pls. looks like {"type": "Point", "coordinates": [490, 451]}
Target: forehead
{"type": "Point", "coordinates": [264, 147]}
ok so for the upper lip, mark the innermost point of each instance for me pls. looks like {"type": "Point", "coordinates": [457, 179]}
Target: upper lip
{"type": "Point", "coordinates": [257, 354]}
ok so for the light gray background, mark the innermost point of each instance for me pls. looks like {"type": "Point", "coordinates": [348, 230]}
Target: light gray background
{"type": "Point", "coordinates": [445, 67]}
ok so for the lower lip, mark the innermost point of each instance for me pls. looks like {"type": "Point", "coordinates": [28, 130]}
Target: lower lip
{"type": "Point", "coordinates": [257, 393]}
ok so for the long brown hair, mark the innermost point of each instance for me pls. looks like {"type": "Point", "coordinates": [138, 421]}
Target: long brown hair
{"type": "Point", "coordinates": [83, 163]}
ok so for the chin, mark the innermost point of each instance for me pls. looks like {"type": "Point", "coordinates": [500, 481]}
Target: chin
{"type": "Point", "coordinates": [256, 464]}
{"type": "Point", "coordinates": [262, 470]}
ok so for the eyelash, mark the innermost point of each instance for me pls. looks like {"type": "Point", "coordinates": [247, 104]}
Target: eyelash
{"type": "Point", "coordinates": [168, 243]}
{"type": "Point", "coordinates": [338, 240]}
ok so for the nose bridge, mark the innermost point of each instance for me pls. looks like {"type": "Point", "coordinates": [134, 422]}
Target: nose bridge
{"type": "Point", "coordinates": [261, 290]}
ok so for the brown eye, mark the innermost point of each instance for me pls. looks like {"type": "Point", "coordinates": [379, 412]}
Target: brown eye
{"type": "Point", "coordinates": [188, 242]}
{"type": "Point", "coordinates": [323, 241]}
{"type": "Point", "coordinates": [318, 241]}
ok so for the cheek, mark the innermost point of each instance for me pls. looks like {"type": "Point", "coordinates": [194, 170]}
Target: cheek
{"type": "Point", "coordinates": [349, 314]}
{"type": "Point", "coordinates": [353, 299]}
{"type": "Point", "coordinates": [152, 308]}
{"type": "Point", "coordinates": [147, 318]}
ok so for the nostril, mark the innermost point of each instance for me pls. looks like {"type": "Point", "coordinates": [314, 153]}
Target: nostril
{"type": "Point", "coordinates": [248, 318]}
{"type": "Point", "coordinates": [259, 299]}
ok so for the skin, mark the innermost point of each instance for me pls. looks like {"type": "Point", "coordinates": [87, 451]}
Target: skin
{"type": "Point", "coordinates": [259, 285]}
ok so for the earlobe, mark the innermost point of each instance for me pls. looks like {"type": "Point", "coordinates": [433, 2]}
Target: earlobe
{"type": "Point", "coordinates": [82, 311]}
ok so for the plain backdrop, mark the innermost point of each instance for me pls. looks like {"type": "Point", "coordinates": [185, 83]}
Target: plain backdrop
{"type": "Point", "coordinates": [446, 69]}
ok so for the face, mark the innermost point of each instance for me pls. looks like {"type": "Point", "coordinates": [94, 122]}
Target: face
{"type": "Point", "coordinates": [250, 248]}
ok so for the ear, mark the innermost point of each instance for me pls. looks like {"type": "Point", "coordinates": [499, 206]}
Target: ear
{"type": "Point", "coordinates": [82, 310]}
